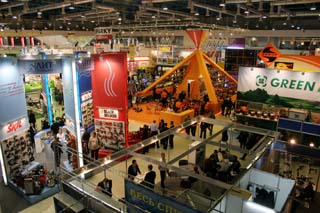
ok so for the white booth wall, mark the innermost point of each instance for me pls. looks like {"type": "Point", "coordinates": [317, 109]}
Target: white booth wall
{"type": "Point", "coordinates": [282, 187]}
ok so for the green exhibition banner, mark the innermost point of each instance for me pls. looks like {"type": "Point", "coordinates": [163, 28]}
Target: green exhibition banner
{"type": "Point", "coordinates": [280, 87]}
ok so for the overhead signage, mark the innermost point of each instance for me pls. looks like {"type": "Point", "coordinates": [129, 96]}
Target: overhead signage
{"type": "Point", "coordinates": [108, 113]}
{"type": "Point", "coordinates": [165, 48]}
{"type": "Point", "coordinates": [152, 202]}
{"type": "Point", "coordinates": [12, 128]}
{"type": "Point", "coordinates": [283, 65]}
{"type": "Point", "coordinates": [85, 64]}
{"type": "Point", "coordinates": [280, 87]}
{"type": "Point", "coordinates": [102, 30]}
{"type": "Point", "coordinates": [109, 89]}
{"type": "Point", "coordinates": [40, 66]}
{"type": "Point", "coordinates": [269, 54]}
{"type": "Point", "coordinates": [12, 95]}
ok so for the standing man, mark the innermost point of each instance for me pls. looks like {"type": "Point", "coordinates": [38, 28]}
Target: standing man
{"type": "Point", "coordinates": [188, 127]}
{"type": "Point", "coordinates": [94, 146]}
{"type": "Point", "coordinates": [164, 141]}
{"type": "Point", "coordinates": [163, 170]}
{"type": "Point", "coordinates": [32, 119]}
{"type": "Point", "coordinates": [172, 135]}
{"type": "Point", "coordinates": [57, 151]}
{"type": "Point", "coordinates": [203, 128]}
{"type": "Point", "coordinates": [150, 177]}
{"type": "Point", "coordinates": [85, 140]}
{"type": "Point", "coordinates": [154, 130]}
{"type": "Point", "coordinates": [133, 170]}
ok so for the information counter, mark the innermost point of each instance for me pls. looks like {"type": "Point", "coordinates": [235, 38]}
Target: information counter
{"type": "Point", "coordinates": [177, 118]}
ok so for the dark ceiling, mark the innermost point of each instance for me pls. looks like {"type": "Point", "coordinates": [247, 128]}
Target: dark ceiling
{"type": "Point", "coordinates": [168, 14]}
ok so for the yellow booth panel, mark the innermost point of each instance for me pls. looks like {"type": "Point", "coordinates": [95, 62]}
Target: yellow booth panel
{"type": "Point", "coordinates": [177, 118]}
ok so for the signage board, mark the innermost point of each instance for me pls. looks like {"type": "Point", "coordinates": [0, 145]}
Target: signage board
{"type": "Point", "coordinates": [109, 89]}
{"type": "Point", "coordinates": [12, 128]}
{"type": "Point", "coordinates": [269, 54]}
{"type": "Point", "coordinates": [280, 87]}
{"type": "Point", "coordinates": [164, 48]}
{"type": "Point", "coordinates": [40, 66]}
{"type": "Point", "coordinates": [12, 96]}
{"type": "Point", "coordinates": [108, 113]}
{"type": "Point", "coordinates": [152, 202]}
{"type": "Point", "coordinates": [85, 64]}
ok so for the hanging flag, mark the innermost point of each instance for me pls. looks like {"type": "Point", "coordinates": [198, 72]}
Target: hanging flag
{"type": "Point", "coordinates": [197, 36]}
{"type": "Point", "coordinates": [22, 41]}
{"type": "Point", "coordinates": [12, 41]}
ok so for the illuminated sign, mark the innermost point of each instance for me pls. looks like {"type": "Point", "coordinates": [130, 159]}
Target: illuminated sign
{"type": "Point", "coordinates": [108, 113]}
{"type": "Point", "coordinates": [85, 64]}
{"type": "Point", "coordinates": [12, 128]}
{"type": "Point", "coordinates": [164, 48]}
{"type": "Point", "coordinates": [269, 54]}
{"type": "Point", "coordinates": [40, 66]}
{"type": "Point", "coordinates": [283, 65]}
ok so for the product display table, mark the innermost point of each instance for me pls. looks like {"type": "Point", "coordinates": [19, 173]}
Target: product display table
{"type": "Point", "coordinates": [177, 118]}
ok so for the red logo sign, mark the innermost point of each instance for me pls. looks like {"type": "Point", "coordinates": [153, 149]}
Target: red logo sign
{"type": "Point", "coordinates": [14, 126]}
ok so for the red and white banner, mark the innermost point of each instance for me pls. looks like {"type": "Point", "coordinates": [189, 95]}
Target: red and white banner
{"type": "Point", "coordinates": [109, 88]}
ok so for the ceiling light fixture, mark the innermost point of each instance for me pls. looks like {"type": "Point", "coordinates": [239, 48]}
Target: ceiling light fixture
{"type": "Point", "coordinates": [246, 11]}
{"type": "Point", "coordinates": [264, 16]}
{"type": "Point", "coordinates": [82, 16]}
{"type": "Point", "coordinates": [71, 7]}
{"type": "Point", "coordinates": [39, 12]}
{"type": "Point", "coordinates": [313, 7]}
{"type": "Point", "coordinates": [165, 8]}
{"type": "Point", "coordinates": [222, 3]}
{"type": "Point", "coordinates": [196, 14]}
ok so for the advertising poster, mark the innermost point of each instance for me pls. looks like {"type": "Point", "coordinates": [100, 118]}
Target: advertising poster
{"type": "Point", "coordinates": [68, 93]}
{"type": "Point", "coordinates": [109, 93]}
{"type": "Point", "coordinates": [85, 89]}
{"type": "Point", "coordinates": [111, 133]}
{"type": "Point", "coordinates": [151, 201]}
{"type": "Point", "coordinates": [48, 66]}
{"type": "Point", "coordinates": [280, 87]}
{"type": "Point", "coordinates": [13, 116]}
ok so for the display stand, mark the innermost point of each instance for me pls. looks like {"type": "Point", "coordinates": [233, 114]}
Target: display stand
{"type": "Point", "coordinates": [177, 118]}
{"type": "Point", "coordinates": [196, 69]}
{"type": "Point", "coordinates": [19, 169]}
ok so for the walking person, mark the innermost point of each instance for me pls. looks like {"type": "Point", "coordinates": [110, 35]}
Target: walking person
{"type": "Point", "coordinates": [57, 151]}
{"type": "Point", "coordinates": [163, 170]}
{"type": "Point", "coordinates": [32, 119]}
{"type": "Point", "coordinates": [188, 128]}
{"type": "Point", "coordinates": [171, 135]}
{"type": "Point", "coordinates": [154, 131]}
{"type": "Point", "coordinates": [210, 126]}
{"type": "Point", "coordinates": [203, 128]}
{"type": "Point", "coordinates": [164, 141]}
{"type": "Point", "coordinates": [94, 146]}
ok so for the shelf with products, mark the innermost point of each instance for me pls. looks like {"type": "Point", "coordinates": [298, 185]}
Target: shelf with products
{"type": "Point", "coordinates": [258, 114]}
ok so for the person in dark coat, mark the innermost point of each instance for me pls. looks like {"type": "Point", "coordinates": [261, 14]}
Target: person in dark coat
{"type": "Point", "coordinates": [150, 177]}
{"type": "Point", "coordinates": [164, 141]}
{"type": "Point", "coordinates": [133, 170]}
{"type": "Point", "coordinates": [105, 186]}
{"type": "Point", "coordinates": [242, 138]}
{"type": "Point", "coordinates": [145, 135]}
{"type": "Point", "coordinates": [171, 136]}
{"type": "Point", "coordinates": [203, 128]}
{"type": "Point", "coordinates": [32, 118]}
{"type": "Point", "coordinates": [55, 128]}
{"type": "Point", "coordinates": [225, 136]}
{"type": "Point", "coordinates": [57, 150]}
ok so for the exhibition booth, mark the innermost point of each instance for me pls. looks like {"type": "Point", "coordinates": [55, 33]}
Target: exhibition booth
{"type": "Point", "coordinates": [202, 194]}
{"type": "Point", "coordinates": [283, 96]}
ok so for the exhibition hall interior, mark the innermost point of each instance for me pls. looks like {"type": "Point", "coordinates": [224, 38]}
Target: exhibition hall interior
{"type": "Point", "coordinates": [160, 106]}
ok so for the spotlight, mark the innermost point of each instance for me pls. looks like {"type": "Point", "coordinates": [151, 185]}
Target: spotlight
{"type": "Point", "coordinates": [292, 141]}
{"type": "Point", "coordinates": [311, 144]}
